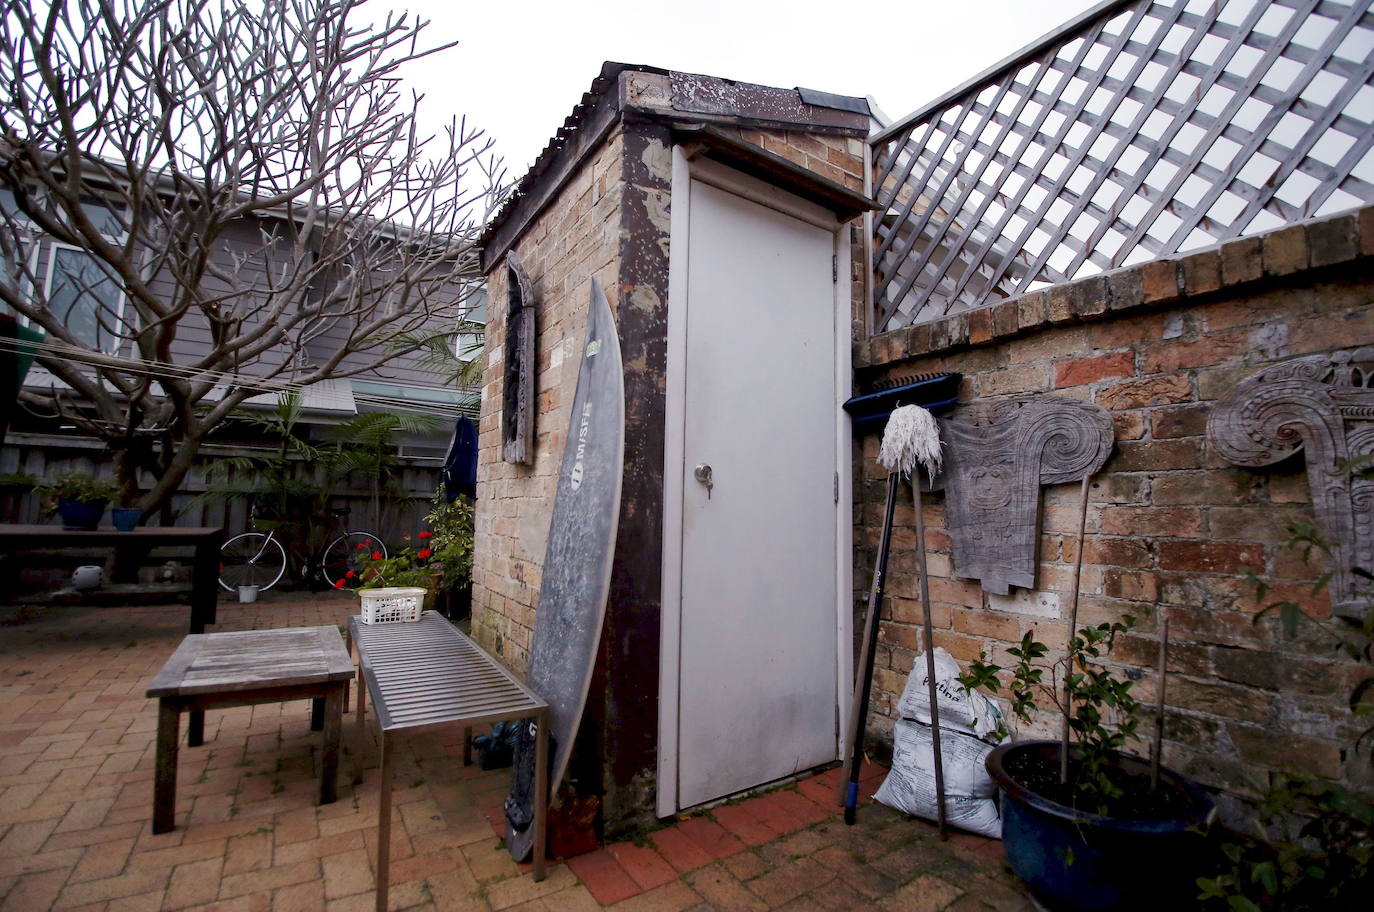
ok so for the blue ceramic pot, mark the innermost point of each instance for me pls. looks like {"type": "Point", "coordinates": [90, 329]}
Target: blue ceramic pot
{"type": "Point", "coordinates": [126, 519]}
{"type": "Point", "coordinates": [77, 515]}
{"type": "Point", "coordinates": [1072, 860]}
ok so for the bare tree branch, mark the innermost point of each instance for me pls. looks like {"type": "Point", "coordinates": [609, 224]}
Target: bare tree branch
{"type": "Point", "coordinates": [252, 198]}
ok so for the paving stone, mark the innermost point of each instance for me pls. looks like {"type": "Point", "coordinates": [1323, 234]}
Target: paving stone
{"type": "Point", "coordinates": [645, 866]}
{"type": "Point", "coordinates": [515, 890]}
{"type": "Point", "coordinates": [743, 823]}
{"type": "Point", "coordinates": [925, 894]}
{"type": "Point", "coordinates": [711, 836]}
{"type": "Point", "coordinates": [786, 883]}
{"type": "Point", "coordinates": [75, 831]}
{"type": "Point", "coordinates": [603, 875]}
{"type": "Point", "coordinates": [193, 883]}
{"type": "Point", "coordinates": [746, 865]}
{"type": "Point", "coordinates": [723, 891]}
{"type": "Point", "coordinates": [673, 897]}
{"type": "Point", "coordinates": [679, 850]}
{"type": "Point", "coordinates": [104, 860]}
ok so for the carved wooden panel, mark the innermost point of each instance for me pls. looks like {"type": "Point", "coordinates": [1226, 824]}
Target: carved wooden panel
{"type": "Point", "coordinates": [1323, 406]}
{"type": "Point", "coordinates": [997, 455]}
{"type": "Point", "coordinates": [518, 405]}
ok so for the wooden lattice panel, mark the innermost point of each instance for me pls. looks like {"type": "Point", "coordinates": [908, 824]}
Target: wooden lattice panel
{"type": "Point", "coordinates": [1146, 128]}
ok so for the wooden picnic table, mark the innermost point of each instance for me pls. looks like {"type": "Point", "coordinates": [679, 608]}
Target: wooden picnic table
{"type": "Point", "coordinates": [241, 668]}
{"type": "Point", "coordinates": [205, 539]}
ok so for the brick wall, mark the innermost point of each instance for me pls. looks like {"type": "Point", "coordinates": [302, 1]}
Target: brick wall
{"type": "Point", "coordinates": [576, 238]}
{"type": "Point", "coordinates": [1171, 526]}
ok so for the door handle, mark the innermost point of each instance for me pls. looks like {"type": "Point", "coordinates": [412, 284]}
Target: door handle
{"type": "Point", "coordinates": [702, 474]}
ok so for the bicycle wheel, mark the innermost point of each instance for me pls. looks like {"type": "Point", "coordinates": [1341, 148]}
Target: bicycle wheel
{"type": "Point", "coordinates": [342, 553]}
{"type": "Point", "coordinates": [251, 559]}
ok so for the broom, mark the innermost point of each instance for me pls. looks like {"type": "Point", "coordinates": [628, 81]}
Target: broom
{"type": "Point", "coordinates": [911, 438]}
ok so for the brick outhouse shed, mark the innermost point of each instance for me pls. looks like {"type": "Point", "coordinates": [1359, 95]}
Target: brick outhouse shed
{"type": "Point", "coordinates": [718, 217]}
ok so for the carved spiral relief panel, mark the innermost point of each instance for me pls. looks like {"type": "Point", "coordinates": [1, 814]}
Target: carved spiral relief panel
{"type": "Point", "coordinates": [1323, 406]}
{"type": "Point", "coordinates": [997, 455]}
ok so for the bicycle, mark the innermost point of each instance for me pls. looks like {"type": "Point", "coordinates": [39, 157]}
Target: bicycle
{"type": "Point", "coordinates": [259, 558]}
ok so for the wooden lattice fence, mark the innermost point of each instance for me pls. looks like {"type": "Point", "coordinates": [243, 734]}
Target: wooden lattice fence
{"type": "Point", "coordinates": [1142, 129]}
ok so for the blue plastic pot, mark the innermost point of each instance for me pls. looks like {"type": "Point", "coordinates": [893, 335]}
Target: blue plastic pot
{"type": "Point", "coordinates": [77, 515]}
{"type": "Point", "coordinates": [126, 519]}
{"type": "Point", "coordinates": [1073, 860]}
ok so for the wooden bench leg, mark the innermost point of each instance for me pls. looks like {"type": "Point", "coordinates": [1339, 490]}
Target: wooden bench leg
{"type": "Point", "coordinates": [541, 795]}
{"type": "Point", "coordinates": [332, 723]}
{"type": "Point", "coordinates": [195, 728]}
{"type": "Point", "coordinates": [384, 825]}
{"type": "Point", "coordinates": [165, 776]}
{"type": "Point", "coordinates": [317, 714]}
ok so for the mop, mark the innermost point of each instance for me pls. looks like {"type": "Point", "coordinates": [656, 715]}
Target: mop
{"type": "Point", "coordinates": [911, 438]}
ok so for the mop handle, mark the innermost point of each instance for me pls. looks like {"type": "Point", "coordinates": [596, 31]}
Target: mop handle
{"type": "Point", "coordinates": [930, 656]}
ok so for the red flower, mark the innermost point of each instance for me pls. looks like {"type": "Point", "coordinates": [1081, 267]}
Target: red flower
{"type": "Point", "coordinates": [362, 547]}
{"type": "Point", "coordinates": [426, 534]}
{"type": "Point", "coordinates": [376, 555]}
{"type": "Point", "coordinates": [339, 584]}
{"type": "Point", "coordinates": [406, 535]}
{"type": "Point", "coordinates": [349, 575]}
{"type": "Point", "coordinates": [426, 553]}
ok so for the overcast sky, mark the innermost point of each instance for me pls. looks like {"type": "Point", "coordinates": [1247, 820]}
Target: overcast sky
{"type": "Point", "coordinates": [520, 67]}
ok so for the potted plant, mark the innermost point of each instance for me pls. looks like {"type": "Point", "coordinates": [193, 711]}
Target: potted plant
{"type": "Point", "coordinates": [1084, 824]}
{"type": "Point", "coordinates": [1310, 844]}
{"type": "Point", "coordinates": [392, 587]}
{"type": "Point", "coordinates": [452, 525]}
{"type": "Point", "coordinates": [126, 517]}
{"type": "Point", "coordinates": [80, 499]}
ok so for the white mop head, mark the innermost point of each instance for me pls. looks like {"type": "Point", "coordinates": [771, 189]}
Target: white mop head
{"type": "Point", "coordinates": [911, 436]}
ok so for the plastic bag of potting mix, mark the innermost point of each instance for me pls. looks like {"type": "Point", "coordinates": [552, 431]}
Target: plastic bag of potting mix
{"type": "Point", "coordinates": [910, 785]}
{"type": "Point", "coordinates": [960, 709]}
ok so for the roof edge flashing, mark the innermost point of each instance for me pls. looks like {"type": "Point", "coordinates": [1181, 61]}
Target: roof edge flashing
{"type": "Point", "coordinates": [635, 91]}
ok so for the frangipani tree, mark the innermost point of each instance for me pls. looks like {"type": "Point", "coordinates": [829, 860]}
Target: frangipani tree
{"type": "Point", "coordinates": [204, 201]}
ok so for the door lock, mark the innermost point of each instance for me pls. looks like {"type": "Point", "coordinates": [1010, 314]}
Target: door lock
{"type": "Point", "coordinates": [702, 473]}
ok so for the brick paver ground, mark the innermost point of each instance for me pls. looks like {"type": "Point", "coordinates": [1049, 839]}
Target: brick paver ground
{"type": "Point", "coordinates": [76, 771]}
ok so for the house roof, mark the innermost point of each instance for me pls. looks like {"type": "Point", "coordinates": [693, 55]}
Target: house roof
{"type": "Point", "coordinates": [680, 99]}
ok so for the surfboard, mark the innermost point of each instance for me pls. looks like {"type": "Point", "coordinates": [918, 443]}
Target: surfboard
{"type": "Point", "coordinates": [577, 566]}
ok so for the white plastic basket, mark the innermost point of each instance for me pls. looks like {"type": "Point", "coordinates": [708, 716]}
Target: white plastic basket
{"type": "Point", "coordinates": [391, 605]}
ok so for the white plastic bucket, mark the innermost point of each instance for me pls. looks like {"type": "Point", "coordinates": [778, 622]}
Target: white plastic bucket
{"type": "Point", "coordinates": [248, 594]}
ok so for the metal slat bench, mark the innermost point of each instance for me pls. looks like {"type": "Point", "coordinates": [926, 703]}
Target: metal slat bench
{"type": "Point", "coordinates": [426, 674]}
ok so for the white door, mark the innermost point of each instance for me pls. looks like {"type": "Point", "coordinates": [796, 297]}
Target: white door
{"type": "Point", "coordinates": [758, 657]}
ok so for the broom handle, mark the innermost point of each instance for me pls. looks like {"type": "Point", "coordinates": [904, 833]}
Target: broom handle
{"type": "Point", "coordinates": [849, 784]}
{"type": "Point", "coordinates": [930, 655]}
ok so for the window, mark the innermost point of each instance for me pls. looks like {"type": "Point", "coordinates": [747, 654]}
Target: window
{"type": "Point", "coordinates": [82, 296]}
{"type": "Point", "coordinates": [73, 286]}
{"type": "Point", "coordinates": [468, 345]}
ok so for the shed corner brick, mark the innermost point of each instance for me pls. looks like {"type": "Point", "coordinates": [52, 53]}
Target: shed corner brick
{"type": "Point", "coordinates": [1334, 240]}
{"type": "Point", "coordinates": [1159, 282]}
{"type": "Point", "coordinates": [1284, 252]}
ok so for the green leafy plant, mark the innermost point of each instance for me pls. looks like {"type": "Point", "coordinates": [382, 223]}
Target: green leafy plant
{"type": "Point", "coordinates": [1101, 709]}
{"type": "Point", "coordinates": [452, 525]}
{"type": "Point", "coordinates": [79, 487]}
{"type": "Point", "coordinates": [1311, 846]}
